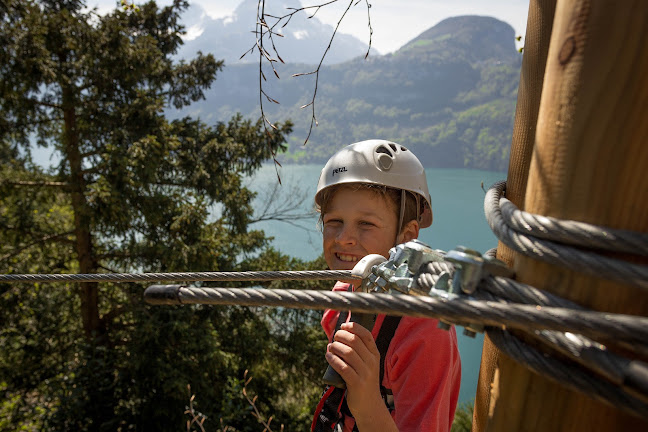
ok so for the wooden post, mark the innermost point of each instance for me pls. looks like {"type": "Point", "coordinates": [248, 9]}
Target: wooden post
{"type": "Point", "coordinates": [536, 46]}
{"type": "Point", "coordinates": [589, 163]}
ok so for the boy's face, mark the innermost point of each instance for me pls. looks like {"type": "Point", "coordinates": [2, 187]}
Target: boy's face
{"type": "Point", "coordinates": [357, 223]}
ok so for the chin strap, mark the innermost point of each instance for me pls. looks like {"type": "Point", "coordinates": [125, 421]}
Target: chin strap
{"type": "Point", "coordinates": [403, 201]}
{"type": "Point", "coordinates": [401, 217]}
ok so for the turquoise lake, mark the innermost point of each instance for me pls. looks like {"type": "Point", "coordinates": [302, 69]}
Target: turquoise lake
{"type": "Point", "coordinates": [457, 204]}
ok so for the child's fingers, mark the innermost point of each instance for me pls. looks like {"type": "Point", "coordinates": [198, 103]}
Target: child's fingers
{"type": "Point", "coordinates": [363, 334]}
{"type": "Point", "coordinates": [347, 353]}
{"type": "Point", "coordinates": [347, 342]}
{"type": "Point", "coordinates": [353, 350]}
{"type": "Point", "coordinates": [342, 366]}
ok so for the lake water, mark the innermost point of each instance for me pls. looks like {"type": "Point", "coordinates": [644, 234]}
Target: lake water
{"type": "Point", "coordinates": [457, 203]}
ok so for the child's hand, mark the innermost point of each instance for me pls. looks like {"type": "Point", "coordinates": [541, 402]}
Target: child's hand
{"type": "Point", "coordinates": [354, 355]}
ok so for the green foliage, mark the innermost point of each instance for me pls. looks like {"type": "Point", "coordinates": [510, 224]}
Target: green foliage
{"type": "Point", "coordinates": [131, 192]}
{"type": "Point", "coordinates": [463, 417]}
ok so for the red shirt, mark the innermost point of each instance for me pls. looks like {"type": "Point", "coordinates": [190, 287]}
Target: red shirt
{"type": "Point", "coordinates": [422, 368]}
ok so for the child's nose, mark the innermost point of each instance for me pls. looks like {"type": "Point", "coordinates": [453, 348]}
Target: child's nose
{"type": "Point", "coordinates": [346, 235]}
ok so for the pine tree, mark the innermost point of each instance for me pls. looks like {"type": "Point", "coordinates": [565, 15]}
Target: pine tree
{"type": "Point", "coordinates": [131, 191]}
{"type": "Point", "coordinates": [94, 88]}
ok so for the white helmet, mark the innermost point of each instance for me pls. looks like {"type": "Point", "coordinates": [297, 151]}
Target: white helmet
{"type": "Point", "coordinates": [378, 162]}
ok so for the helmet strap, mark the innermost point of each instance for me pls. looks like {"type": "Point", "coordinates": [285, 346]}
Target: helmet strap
{"type": "Point", "coordinates": [402, 215]}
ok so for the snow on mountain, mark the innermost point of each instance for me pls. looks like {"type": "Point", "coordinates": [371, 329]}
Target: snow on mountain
{"type": "Point", "coordinates": [304, 40]}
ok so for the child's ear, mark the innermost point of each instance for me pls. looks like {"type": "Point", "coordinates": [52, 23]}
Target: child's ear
{"type": "Point", "coordinates": [410, 232]}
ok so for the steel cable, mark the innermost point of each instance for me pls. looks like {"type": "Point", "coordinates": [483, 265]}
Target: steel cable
{"type": "Point", "coordinates": [558, 254]}
{"type": "Point", "coordinates": [507, 290]}
{"type": "Point", "coordinates": [184, 277]}
{"type": "Point", "coordinates": [575, 233]}
{"type": "Point", "coordinates": [631, 375]}
{"type": "Point", "coordinates": [526, 317]}
{"type": "Point", "coordinates": [567, 374]}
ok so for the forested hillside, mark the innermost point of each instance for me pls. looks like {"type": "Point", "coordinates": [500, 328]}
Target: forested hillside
{"type": "Point", "coordinates": [449, 94]}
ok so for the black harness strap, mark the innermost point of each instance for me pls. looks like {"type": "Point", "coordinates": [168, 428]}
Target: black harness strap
{"type": "Point", "coordinates": [327, 413]}
{"type": "Point", "coordinates": [385, 335]}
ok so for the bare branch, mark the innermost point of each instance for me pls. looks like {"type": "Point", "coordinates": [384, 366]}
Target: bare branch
{"type": "Point", "coordinates": [283, 206]}
{"type": "Point", "coordinates": [109, 317]}
{"type": "Point", "coordinates": [262, 52]}
{"type": "Point", "coordinates": [25, 183]}
{"type": "Point", "coordinates": [255, 411]}
{"type": "Point", "coordinates": [93, 170]}
{"type": "Point", "coordinates": [90, 153]}
{"type": "Point", "coordinates": [37, 122]}
{"type": "Point", "coordinates": [269, 98]}
{"type": "Point", "coordinates": [109, 256]}
{"type": "Point", "coordinates": [60, 237]}
{"type": "Point", "coordinates": [47, 104]}
{"type": "Point", "coordinates": [196, 417]}
{"type": "Point", "coordinates": [317, 71]}
{"type": "Point", "coordinates": [369, 25]}
{"type": "Point", "coordinates": [263, 31]}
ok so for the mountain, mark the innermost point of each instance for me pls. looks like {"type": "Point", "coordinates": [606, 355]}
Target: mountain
{"type": "Point", "coordinates": [304, 39]}
{"type": "Point", "coordinates": [449, 95]}
{"type": "Point", "coordinates": [473, 38]}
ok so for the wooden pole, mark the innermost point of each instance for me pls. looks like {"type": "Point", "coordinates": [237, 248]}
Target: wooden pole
{"type": "Point", "coordinates": [588, 164]}
{"type": "Point", "coordinates": [536, 46]}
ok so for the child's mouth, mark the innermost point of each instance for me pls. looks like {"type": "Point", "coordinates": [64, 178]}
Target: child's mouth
{"type": "Point", "coordinates": [346, 258]}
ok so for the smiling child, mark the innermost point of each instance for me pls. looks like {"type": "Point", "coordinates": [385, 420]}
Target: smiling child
{"type": "Point", "coordinates": [373, 195]}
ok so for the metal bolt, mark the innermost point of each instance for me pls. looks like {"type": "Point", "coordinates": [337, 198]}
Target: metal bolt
{"type": "Point", "coordinates": [443, 325]}
{"type": "Point", "coordinates": [469, 333]}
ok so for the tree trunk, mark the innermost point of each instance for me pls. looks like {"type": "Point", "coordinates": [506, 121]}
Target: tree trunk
{"type": "Point", "coordinates": [88, 291]}
{"type": "Point", "coordinates": [536, 47]}
{"type": "Point", "coordinates": [588, 164]}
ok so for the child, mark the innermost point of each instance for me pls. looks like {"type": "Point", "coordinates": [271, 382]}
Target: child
{"type": "Point", "coordinates": [373, 195]}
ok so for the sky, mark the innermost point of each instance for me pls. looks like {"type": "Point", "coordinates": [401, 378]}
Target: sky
{"type": "Point", "coordinates": [394, 22]}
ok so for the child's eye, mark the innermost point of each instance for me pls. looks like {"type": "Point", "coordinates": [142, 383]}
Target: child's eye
{"type": "Point", "coordinates": [367, 224]}
{"type": "Point", "coordinates": [332, 221]}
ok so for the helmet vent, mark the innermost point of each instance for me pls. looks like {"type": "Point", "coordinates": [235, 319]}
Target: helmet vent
{"type": "Point", "coordinates": [403, 148]}
{"type": "Point", "coordinates": [385, 162]}
{"type": "Point", "coordinates": [383, 149]}
{"type": "Point", "coordinates": [393, 146]}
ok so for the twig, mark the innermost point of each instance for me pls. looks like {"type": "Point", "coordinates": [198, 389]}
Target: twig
{"type": "Point", "coordinates": [263, 53]}
{"type": "Point", "coordinates": [369, 25]}
{"type": "Point", "coordinates": [26, 183]}
{"type": "Point", "coordinates": [58, 237]}
{"type": "Point", "coordinates": [256, 413]}
{"type": "Point", "coordinates": [283, 207]}
{"type": "Point", "coordinates": [317, 71]}
{"type": "Point", "coordinates": [263, 30]}
{"type": "Point", "coordinates": [197, 418]}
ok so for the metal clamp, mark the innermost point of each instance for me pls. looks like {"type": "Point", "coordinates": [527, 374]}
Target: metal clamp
{"type": "Point", "coordinates": [364, 269]}
{"type": "Point", "coordinates": [470, 267]}
{"type": "Point", "coordinates": [399, 274]}
{"type": "Point", "coordinates": [399, 271]}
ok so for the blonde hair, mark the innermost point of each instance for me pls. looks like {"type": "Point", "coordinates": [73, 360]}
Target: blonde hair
{"type": "Point", "coordinates": [391, 195]}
